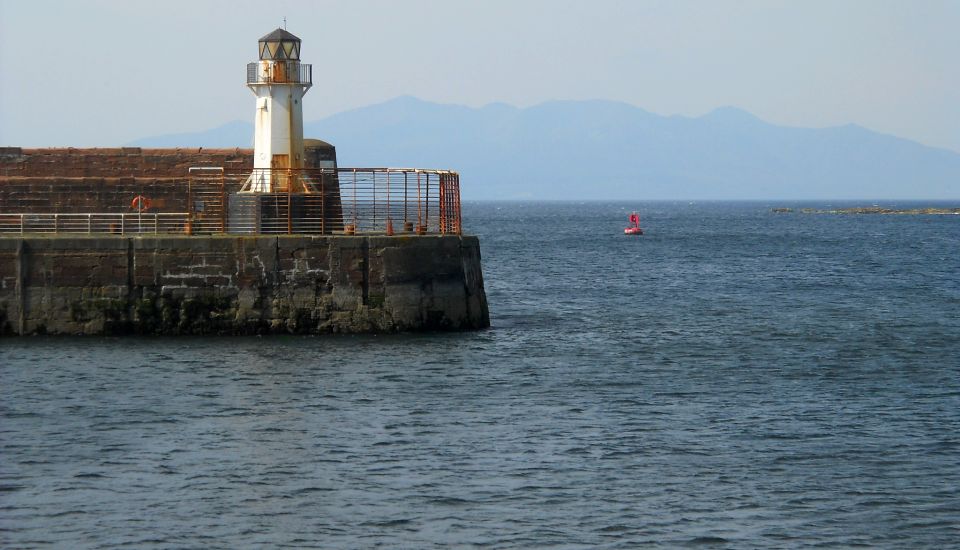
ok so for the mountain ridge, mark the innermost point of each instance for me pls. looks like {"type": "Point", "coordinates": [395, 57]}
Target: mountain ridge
{"type": "Point", "coordinates": [576, 149]}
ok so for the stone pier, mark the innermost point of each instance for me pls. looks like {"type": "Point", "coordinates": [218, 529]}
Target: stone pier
{"type": "Point", "coordinates": [111, 284]}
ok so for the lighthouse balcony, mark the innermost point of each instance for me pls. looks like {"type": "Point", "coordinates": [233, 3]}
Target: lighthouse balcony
{"type": "Point", "coordinates": [279, 72]}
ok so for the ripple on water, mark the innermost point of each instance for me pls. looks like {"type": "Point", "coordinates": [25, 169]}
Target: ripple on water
{"type": "Point", "coordinates": [735, 380]}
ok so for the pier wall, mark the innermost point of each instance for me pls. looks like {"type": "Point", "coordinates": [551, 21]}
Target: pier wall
{"type": "Point", "coordinates": [70, 180]}
{"type": "Point", "coordinates": [111, 284]}
{"type": "Point", "coordinates": [55, 162]}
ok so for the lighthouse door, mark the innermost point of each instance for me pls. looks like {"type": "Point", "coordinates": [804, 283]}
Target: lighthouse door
{"type": "Point", "coordinates": [281, 179]}
{"type": "Point", "coordinates": [280, 162]}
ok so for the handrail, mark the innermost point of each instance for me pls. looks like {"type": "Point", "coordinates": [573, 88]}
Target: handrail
{"type": "Point", "coordinates": [93, 222]}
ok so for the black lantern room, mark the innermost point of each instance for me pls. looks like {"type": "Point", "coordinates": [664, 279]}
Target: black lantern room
{"type": "Point", "coordinates": [279, 45]}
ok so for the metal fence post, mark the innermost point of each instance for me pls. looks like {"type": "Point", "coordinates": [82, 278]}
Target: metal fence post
{"type": "Point", "coordinates": [189, 228]}
{"type": "Point", "coordinates": [223, 204]}
{"type": "Point", "coordinates": [456, 179]}
{"type": "Point", "coordinates": [443, 206]}
{"type": "Point", "coordinates": [289, 204]}
{"type": "Point", "coordinates": [389, 228]}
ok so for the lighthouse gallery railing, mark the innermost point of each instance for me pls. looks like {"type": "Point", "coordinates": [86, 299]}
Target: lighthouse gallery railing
{"type": "Point", "coordinates": [280, 72]}
{"type": "Point", "coordinates": [310, 201]}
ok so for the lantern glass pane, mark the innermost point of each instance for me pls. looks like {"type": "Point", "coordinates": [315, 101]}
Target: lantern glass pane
{"type": "Point", "coordinates": [272, 47]}
{"type": "Point", "coordinates": [288, 49]}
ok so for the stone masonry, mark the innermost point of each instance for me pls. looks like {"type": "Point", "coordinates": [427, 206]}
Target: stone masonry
{"type": "Point", "coordinates": [111, 284]}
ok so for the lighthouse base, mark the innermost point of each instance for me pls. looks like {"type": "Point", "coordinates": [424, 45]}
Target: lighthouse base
{"type": "Point", "coordinates": [281, 213]}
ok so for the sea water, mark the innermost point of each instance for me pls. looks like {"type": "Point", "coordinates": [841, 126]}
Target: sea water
{"type": "Point", "coordinates": [734, 378]}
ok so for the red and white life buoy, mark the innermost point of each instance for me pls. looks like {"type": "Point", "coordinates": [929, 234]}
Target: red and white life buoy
{"type": "Point", "coordinates": [140, 203]}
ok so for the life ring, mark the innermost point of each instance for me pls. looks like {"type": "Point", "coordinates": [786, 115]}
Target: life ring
{"type": "Point", "coordinates": [140, 203]}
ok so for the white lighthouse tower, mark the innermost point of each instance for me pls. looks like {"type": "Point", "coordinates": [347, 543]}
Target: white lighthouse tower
{"type": "Point", "coordinates": [279, 81]}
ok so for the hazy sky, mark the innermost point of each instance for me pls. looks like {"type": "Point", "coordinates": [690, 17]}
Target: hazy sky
{"type": "Point", "coordinates": [102, 73]}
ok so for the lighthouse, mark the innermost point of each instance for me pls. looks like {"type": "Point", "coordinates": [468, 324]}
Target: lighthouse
{"type": "Point", "coordinates": [279, 81]}
{"type": "Point", "coordinates": [293, 187]}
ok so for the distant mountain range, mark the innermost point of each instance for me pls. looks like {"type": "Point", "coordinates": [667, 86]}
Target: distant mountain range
{"type": "Point", "coordinates": [610, 150]}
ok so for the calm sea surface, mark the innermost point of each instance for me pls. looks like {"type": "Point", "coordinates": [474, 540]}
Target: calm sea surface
{"type": "Point", "coordinates": [734, 378]}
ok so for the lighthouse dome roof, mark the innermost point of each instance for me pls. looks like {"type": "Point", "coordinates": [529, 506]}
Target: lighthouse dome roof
{"type": "Point", "coordinates": [279, 45]}
{"type": "Point", "coordinates": [279, 34]}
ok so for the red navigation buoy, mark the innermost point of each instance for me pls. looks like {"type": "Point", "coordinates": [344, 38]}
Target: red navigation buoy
{"type": "Point", "coordinates": [634, 227]}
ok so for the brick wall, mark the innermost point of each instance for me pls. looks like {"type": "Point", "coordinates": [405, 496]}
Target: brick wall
{"type": "Point", "coordinates": [71, 180]}
{"type": "Point", "coordinates": [117, 162]}
{"type": "Point", "coordinates": [103, 180]}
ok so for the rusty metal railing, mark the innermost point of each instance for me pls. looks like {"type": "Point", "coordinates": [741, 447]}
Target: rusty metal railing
{"type": "Point", "coordinates": [279, 72]}
{"type": "Point", "coordinates": [326, 201]}
{"type": "Point", "coordinates": [344, 201]}
{"type": "Point", "coordinates": [400, 199]}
